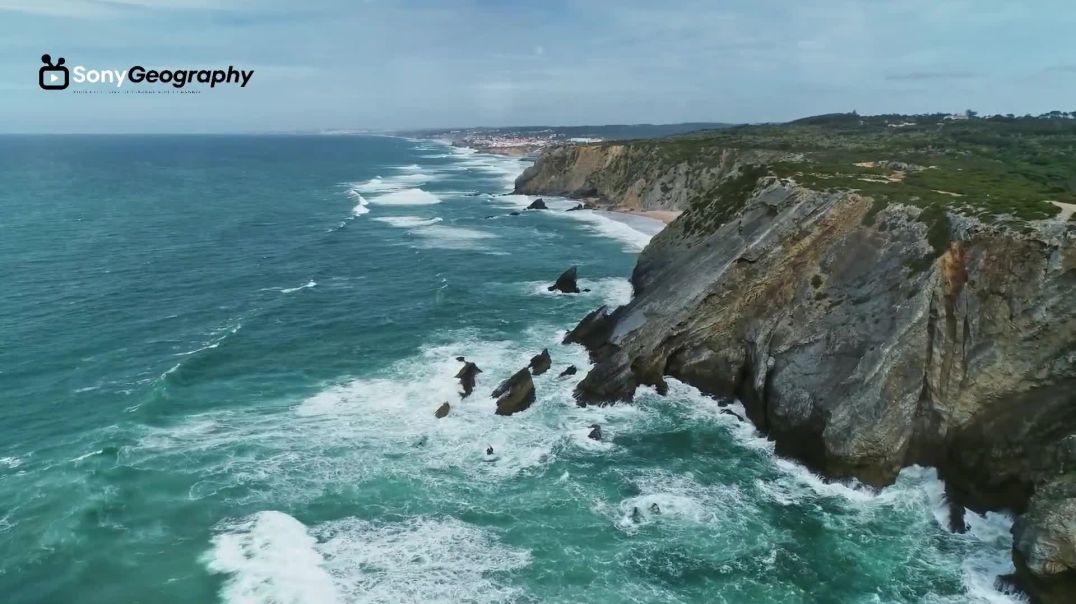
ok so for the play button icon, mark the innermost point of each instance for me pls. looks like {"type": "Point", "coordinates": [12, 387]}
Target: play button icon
{"type": "Point", "coordinates": [52, 77]}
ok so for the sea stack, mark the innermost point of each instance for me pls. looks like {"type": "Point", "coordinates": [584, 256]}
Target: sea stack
{"type": "Point", "coordinates": [466, 375]}
{"type": "Point", "coordinates": [566, 282]}
{"type": "Point", "coordinates": [540, 363]}
{"type": "Point", "coordinates": [515, 394]}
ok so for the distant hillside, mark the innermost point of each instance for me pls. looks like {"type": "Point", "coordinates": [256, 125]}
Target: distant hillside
{"type": "Point", "coordinates": [606, 132]}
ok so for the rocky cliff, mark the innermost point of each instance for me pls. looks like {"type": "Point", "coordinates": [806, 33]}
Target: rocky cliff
{"type": "Point", "coordinates": [862, 333]}
{"type": "Point", "coordinates": [642, 175]}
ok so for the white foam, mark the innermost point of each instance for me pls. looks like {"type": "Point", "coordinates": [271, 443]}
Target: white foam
{"type": "Point", "coordinates": [360, 203]}
{"type": "Point", "coordinates": [407, 222]}
{"type": "Point", "coordinates": [344, 431]}
{"type": "Point", "coordinates": [635, 240]}
{"type": "Point", "coordinates": [422, 559]}
{"type": "Point", "coordinates": [10, 462]}
{"type": "Point", "coordinates": [677, 497]}
{"type": "Point", "coordinates": [270, 557]}
{"type": "Point", "coordinates": [634, 231]}
{"type": "Point", "coordinates": [406, 197]}
{"type": "Point", "coordinates": [308, 284]}
{"type": "Point", "coordinates": [611, 291]}
{"type": "Point", "coordinates": [217, 338]}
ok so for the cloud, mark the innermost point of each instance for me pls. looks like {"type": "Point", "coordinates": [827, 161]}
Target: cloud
{"type": "Point", "coordinates": [916, 76]}
{"type": "Point", "coordinates": [81, 9]}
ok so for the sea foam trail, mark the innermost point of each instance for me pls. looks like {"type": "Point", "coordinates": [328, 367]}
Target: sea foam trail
{"type": "Point", "coordinates": [604, 224]}
{"type": "Point", "coordinates": [406, 197]}
{"type": "Point", "coordinates": [272, 557]}
{"type": "Point", "coordinates": [308, 284]}
{"type": "Point", "coordinates": [407, 222]}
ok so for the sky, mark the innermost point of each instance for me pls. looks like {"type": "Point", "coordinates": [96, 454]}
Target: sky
{"type": "Point", "coordinates": [382, 64]}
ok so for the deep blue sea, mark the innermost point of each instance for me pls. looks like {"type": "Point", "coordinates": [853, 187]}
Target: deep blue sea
{"type": "Point", "coordinates": [220, 359]}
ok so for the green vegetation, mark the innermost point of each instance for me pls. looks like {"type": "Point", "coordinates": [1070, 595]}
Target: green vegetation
{"type": "Point", "coordinates": [1000, 168]}
{"type": "Point", "coordinates": [710, 209]}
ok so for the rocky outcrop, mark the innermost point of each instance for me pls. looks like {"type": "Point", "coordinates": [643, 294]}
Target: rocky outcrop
{"type": "Point", "coordinates": [540, 363]}
{"type": "Point", "coordinates": [442, 411]}
{"type": "Point", "coordinates": [570, 370]}
{"type": "Point", "coordinates": [592, 330]}
{"type": "Point", "coordinates": [467, 375]}
{"type": "Point", "coordinates": [595, 432]}
{"type": "Point", "coordinates": [1045, 540]}
{"type": "Point", "coordinates": [861, 336]}
{"type": "Point", "coordinates": [566, 282]}
{"type": "Point", "coordinates": [537, 204]}
{"type": "Point", "coordinates": [515, 394]}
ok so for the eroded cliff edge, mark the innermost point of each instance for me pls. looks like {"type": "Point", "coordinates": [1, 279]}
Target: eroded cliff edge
{"type": "Point", "coordinates": [863, 332]}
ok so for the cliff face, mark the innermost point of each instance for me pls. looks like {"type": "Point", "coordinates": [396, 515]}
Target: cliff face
{"type": "Point", "coordinates": [640, 175]}
{"type": "Point", "coordinates": [861, 337]}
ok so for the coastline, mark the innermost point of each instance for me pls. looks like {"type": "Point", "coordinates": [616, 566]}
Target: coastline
{"type": "Point", "coordinates": [647, 222]}
{"type": "Point", "coordinates": [647, 225]}
{"type": "Point", "coordinates": [663, 216]}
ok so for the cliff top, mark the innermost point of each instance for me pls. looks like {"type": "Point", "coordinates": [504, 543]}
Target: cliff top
{"type": "Point", "coordinates": [1001, 168]}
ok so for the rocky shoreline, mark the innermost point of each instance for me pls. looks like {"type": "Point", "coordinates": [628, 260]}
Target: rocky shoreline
{"type": "Point", "coordinates": [861, 339]}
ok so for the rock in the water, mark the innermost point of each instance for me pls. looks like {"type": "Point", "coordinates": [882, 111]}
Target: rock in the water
{"type": "Point", "coordinates": [540, 363]}
{"type": "Point", "coordinates": [537, 204]}
{"type": "Point", "coordinates": [442, 410]}
{"type": "Point", "coordinates": [461, 359]}
{"type": "Point", "coordinates": [595, 432]}
{"type": "Point", "coordinates": [566, 282]}
{"type": "Point", "coordinates": [580, 206]}
{"type": "Point", "coordinates": [592, 331]}
{"type": "Point", "coordinates": [515, 394]}
{"type": "Point", "coordinates": [957, 524]}
{"type": "Point", "coordinates": [466, 376]}
{"type": "Point", "coordinates": [736, 415]}
{"type": "Point", "coordinates": [489, 450]}
{"type": "Point", "coordinates": [636, 515]}
{"type": "Point", "coordinates": [654, 508]}
{"type": "Point", "coordinates": [571, 370]}
{"type": "Point", "coordinates": [1044, 541]}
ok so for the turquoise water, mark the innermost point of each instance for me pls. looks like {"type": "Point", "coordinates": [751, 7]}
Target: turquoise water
{"type": "Point", "coordinates": [219, 363]}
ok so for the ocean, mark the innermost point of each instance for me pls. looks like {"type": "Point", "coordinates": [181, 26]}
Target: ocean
{"type": "Point", "coordinates": [220, 358]}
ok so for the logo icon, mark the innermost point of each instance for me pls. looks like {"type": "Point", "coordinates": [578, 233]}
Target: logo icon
{"type": "Point", "coordinates": [53, 77]}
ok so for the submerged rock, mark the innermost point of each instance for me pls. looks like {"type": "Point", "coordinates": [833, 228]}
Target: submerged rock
{"type": "Point", "coordinates": [595, 432]}
{"type": "Point", "coordinates": [540, 363]}
{"type": "Point", "coordinates": [537, 204]}
{"type": "Point", "coordinates": [513, 213]}
{"type": "Point", "coordinates": [515, 394]}
{"type": "Point", "coordinates": [442, 410]}
{"type": "Point", "coordinates": [467, 376]}
{"type": "Point", "coordinates": [571, 370]}
{"type": "Point", "coordinates": [580, 206]}
{"type": "Point", "coordinates": [566, 282]}
{"type": "Point", "coordinates": [636, 515]}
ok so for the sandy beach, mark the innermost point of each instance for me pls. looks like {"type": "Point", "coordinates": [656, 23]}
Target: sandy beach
{"type": "Point", "coordinates": [665, 216]}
